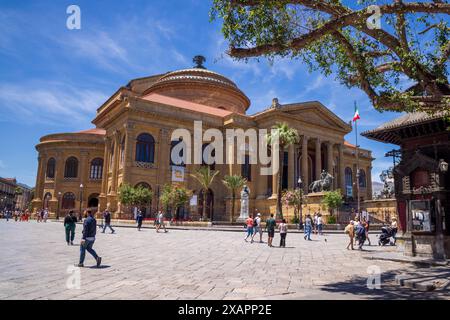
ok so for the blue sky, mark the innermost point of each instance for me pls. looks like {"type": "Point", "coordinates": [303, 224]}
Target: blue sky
{"type": "Point", "coordinates": [52, 79]}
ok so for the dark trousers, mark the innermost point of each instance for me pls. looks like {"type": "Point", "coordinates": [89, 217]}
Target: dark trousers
{"type": "Point", "coordinates": [283, 239]}
{"type": "Point", "coordinates": [70, 232]}
{"type": "Point", "coordinates": [87, 247]}
{"type": "Point", "coordinates": [107, 225]}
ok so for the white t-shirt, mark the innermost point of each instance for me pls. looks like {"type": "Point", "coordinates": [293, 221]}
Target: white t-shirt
{"type": "Point", "coordinates": [283, 228]}
{"type": "Point", "coordinates": [161, 218]}
{"type": "Point", "coordinates": [258, 221]}
{"type": "Point", "coordinates": [319, 220]}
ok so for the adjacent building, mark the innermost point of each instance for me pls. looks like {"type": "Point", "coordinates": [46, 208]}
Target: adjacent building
{"type": "Point", "coordinates": [422, 180]}
{"type": "Point", "coordinates": [131, 144]}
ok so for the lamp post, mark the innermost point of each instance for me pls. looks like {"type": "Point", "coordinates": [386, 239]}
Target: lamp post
{"type": "Point", "coordinates": [300, 187]}
{"type": "Point", "coordinates": [59, 205]}
{"type": "Point", "coordinates": [80, 217]}
{"type": "Point", "coordinates": [357, 194]}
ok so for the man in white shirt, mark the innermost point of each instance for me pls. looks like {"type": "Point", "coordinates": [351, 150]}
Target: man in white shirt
{"type": "Point", "coordinates": [257, 227]}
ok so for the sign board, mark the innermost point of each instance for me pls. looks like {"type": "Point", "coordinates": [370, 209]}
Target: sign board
{"type": "Point", "coordinates": [349, 192]}
{"type": "Point", "coordinates": [177, 174]}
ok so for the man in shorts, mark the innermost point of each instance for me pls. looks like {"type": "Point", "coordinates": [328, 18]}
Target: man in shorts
{"type": "Point", "coordinates": [270, 226]}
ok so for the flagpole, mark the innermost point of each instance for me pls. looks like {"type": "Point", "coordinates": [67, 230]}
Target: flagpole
{"type": "Point", "coordinates": [357, 168]}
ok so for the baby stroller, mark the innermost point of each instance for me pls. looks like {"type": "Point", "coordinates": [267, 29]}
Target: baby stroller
{"type": "Point", "coordinates": [385, 237]}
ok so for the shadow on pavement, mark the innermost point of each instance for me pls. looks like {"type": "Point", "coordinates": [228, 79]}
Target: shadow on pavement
{"type": "Point", "coordinates": [390, 290]}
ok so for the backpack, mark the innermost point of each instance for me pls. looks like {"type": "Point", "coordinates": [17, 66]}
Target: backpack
{"type": "Point", "coordinates": [360, 231]}
{"type": "Point", "coordinates": [255, 223]}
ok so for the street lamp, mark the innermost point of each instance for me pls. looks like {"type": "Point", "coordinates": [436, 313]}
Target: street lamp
{"type": "Point", "coordinates": [80, 216]}
{"type": "Point", "coordinates": [300, 187]}
{"type": "Point", "coordinates": [59, 205]}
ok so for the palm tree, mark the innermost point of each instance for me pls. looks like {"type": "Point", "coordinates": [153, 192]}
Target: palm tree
{"type": "Point", "coordinates": [286, 136]}
{"type": "Point", "coordinates": [233, 183]}
{"type": "Point", "coordinates": [205, 176]}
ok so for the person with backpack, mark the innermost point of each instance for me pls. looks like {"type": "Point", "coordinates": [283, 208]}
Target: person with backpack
{"type": "Point", "coordinates": [270, 226]}
{"type": "Point", "coordinates": [366, 226]}
{"type": "Point", "coordinates": [249, 223]}
{"type": "Point", "coordinates": [139, 219]}
{"type": "Point", "coordinates": [70, 224]}
{"type": "Point", "coordinates": [283, 232]}
{"type": "Point", "coordinates": [257, 227]}
{"type": "Point", "coordinates": [361, 235]}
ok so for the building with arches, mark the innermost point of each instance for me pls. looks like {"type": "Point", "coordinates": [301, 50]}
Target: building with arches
{"type": "Point", "coordinates": [131, 144]}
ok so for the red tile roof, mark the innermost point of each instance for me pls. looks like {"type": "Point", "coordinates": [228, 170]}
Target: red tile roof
{"type": "Point", "coordinates": [187, 105]}
{"type": "Point", "coordinates": [94, 131]}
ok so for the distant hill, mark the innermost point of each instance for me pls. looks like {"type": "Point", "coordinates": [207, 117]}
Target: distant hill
{"type": "Point", "coordinates": [377, 187]}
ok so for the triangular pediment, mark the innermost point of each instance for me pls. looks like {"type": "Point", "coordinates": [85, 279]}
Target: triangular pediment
{"type": "Point", "coordinates": [315, 113]}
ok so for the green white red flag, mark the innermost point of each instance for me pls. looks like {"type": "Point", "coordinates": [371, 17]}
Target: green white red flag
{"type": "Point", "coordinates": [356, 115]}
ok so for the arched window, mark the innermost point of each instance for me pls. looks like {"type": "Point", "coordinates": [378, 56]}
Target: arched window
{"type": "Point", "coordinates": [68, 201]}
{"type": "Point", "coordinates": [96, 169]}
{"type": "Point", "coordinates": [51, 168]}
{"type": "Point", "coordinates": [362, 178]}
{"type": "Point", "coordinates": [206, 155]}
{"type": "Point", "coordinates": [47, 198]}
{"type": "Point", "coordinates": [145, 148]}
{"type": "Point", "coordinates": [177, 159]}
{"type": "Point", "coordinates": [71, 170]}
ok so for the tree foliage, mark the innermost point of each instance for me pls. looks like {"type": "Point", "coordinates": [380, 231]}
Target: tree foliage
{"type": "Point", "coordinates": [295, 198]}
{"type": "Point", "coordinates": [233, 183]}
{"type": "Point", "coordinates": [135, 196]}
{"type": "Point", "coordinates": [286, 136]}
{"type": "Point", "coordinates": [205, 177]}
{"type": "Point", "coordinates": [333, 36]}
{"type": "Point", "coordinates": [332, 199]}
{"type": "Point", "coordinates": [174, 197]}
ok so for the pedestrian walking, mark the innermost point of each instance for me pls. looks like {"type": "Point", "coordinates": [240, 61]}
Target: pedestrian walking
{"type": "Point", "coordinates": [70, 224]}
{"type": "Point", "coordinates": [394, 228]}
{"type": "Point", "coordinates": [308, 227]}
{"type": "Point", "coordinates": [139, 219]}
{"type": "Point", "coordinates": [349, 229]}
{"type": "Point", "coordinates": [320, 224]}
{"type": "Point", "coordinates": [249, 223]}
{"type": "Point", "coordinates": [160, 222]}
{"type": "Point", "coordinates": [257, 227]}
{"type": "Point", "coordinates": [45, 216]}
{"type": "Point", "coordinates": [88, 239]}
{"type": "Point", "coordinates": [314, 222]}
{"type": "Point", "coordinates": [107, 220]}
{"type": "Point", "coordinates": [283, 232]}
{"type": "Point", "coordinates": [270, 226]}
{"type": "Point", "coordinates": [360, 233]}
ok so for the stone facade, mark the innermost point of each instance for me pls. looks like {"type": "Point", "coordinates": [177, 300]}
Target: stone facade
{"type": "Point", "coordinates": [133, 140]}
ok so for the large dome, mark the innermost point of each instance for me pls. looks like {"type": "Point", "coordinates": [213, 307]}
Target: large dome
{"type": "Point", "coordinates": [201, 86]}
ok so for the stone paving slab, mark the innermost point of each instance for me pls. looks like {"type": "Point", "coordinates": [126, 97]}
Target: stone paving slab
{"type": "Point", "coordinates": [36, 263]}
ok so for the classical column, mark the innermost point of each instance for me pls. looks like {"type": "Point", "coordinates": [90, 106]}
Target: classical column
{"type": "Point", "coordinates": [128, 154]}
{"type": "Point", "coordinates": [369, 182]}
{"type": "Point", "coordinates": [275, 184]}
{"type": "Point", "coordinates": [40, 177]}
{"type": "Point", "coordinates": [318, 158]}
{"type": "Point", "coordinates": [163, 156]}
{"type": "Point", "coordinates": [102, 197]}
{"type": "Point", "coordinates": [341, 168]}
{"type": "Point", "coordinates": [304, 164]}
{"type": "Point", "coordinates": [291, 171]}
{"type": "Point", "coordinates": [59, 171]}
{"type": "Point", "coordinates": [115, 162]}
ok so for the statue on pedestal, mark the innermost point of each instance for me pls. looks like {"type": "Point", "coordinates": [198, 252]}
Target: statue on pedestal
{"type": "Point", "coordinates": [245, 196]}
{"type": "Point", "coordinates": [324, 184]}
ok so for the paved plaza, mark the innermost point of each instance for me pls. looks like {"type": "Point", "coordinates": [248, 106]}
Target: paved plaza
{"type": "Point", "coordinates": [36, 263]}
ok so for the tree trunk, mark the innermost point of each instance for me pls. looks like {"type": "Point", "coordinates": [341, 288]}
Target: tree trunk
{"type": "Point", "coordinates": [233, 199]}
{"type": "Point", "coordinates": [280, 179]}
{"type": "Point", "coordinates": [204, 205]}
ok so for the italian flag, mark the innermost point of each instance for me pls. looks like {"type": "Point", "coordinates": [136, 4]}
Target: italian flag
{"type": "Point", "coordinates": [356, 115]}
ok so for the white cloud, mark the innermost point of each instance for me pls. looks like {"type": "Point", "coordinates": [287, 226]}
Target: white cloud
{"type": "Point", "coordinates": [49, 102]}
